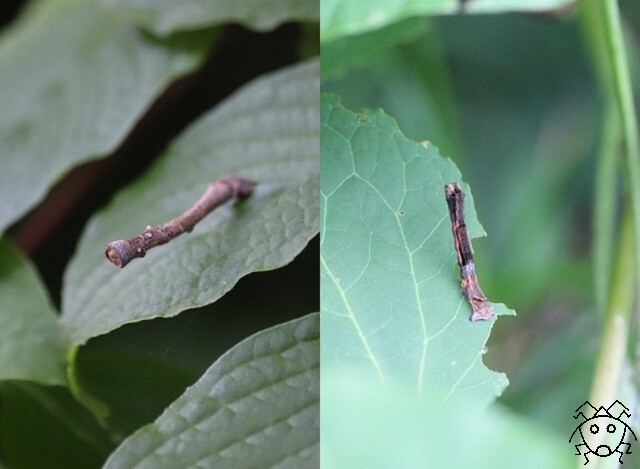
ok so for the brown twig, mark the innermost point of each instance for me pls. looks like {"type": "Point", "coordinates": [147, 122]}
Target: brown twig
{"type": "Point", "coordinates": [482, 309]}
{"type": "Point", "coordinates": [123, 251]}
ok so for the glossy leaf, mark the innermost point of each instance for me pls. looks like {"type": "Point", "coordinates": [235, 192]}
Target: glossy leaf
{"type": "Point", "coordinates": [73, 82]}
{"type": "Point", "coordinates": [30, 343]}
{"type": "Point", "coordinates": [166, 17]}
{"type": "Point", "coordinates": [257, 406]}
{"type": "Point", "coordinates": [266, 132]}
{"type": "Point", "coordinates": [390, 286]}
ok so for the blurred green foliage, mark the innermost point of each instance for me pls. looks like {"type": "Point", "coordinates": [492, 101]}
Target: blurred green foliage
{"type": "Point", "coordinates": [512, 99]}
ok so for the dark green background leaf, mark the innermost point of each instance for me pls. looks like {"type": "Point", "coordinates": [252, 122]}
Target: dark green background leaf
{"type": "Point", "coordinates": [258, 406]}
{"type": "Point", "coordinates": [67, 434]}
{"type": "Point", "coordinates": [166, 17]}
{"type": "Point", "coordinates": [266, 132]}
{"type": "Point", "coordinates": [74, 80]}
{"type": "Point", "coordinates": [135, 386]}
{"type": "Point", "coordinates": [31, 346]}
{"type": "Point", "coordinates": [390, 287]}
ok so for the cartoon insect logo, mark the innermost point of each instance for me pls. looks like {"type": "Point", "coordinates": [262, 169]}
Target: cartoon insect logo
{"type": "Point", "coordinates": [603, 433]}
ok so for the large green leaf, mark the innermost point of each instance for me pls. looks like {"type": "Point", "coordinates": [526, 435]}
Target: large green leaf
{"type": "Point", "coordinates": [73, 82]}
{"type": "Point", "coordinates": [167, 16]}
{"type": "Point", "coordinates": [267, 132]}
{"type": "Point", "coordinates": [390, 286]}
{"type": "Point", "coordinates": [340, 18]}
{"type": "Point", "coordinates": [258, 406]}
{"type": "Point", "coordinates": [30, 342]}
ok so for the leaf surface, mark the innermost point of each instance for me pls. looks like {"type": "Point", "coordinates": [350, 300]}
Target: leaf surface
{"type": "Point", "coordinates": [166, 16]}
{"type": "Point", "coordinates": [267, 132]}
{"type": "Point", "coordinates": [390, 285]}
{"type": "Point", "coordinates": [30, 344]}
{"type": "Point", "coordinates": [257, 406]}
{"type": "Point", "coordinates": [74, 80]}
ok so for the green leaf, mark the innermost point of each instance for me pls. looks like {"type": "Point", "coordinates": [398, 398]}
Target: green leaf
{"type": "Point", "coordinates": [257, 406]}
{"type": "Point", "coordinates": [266, 132]}
{"type": "Point", "coordinates": [396, 428]}
{"type": "Point", "coordinates": [30, 346]}
{"type": "Point", "coordinates": [166, 17]}
{"type": "Point", "coordinates": [74, 80]}
{"type": "Point", "coordinates": [390, 286]}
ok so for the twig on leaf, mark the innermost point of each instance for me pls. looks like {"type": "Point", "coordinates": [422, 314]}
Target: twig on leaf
{"type": "Point", "coordinates": [123, 251]}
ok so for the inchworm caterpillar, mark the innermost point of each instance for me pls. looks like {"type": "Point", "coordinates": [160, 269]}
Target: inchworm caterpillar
{"type": "Point", "coordinates": [482, 309]}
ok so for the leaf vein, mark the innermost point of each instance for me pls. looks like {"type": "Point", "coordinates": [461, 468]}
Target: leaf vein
{"type": "Point", "coordinates": [352, 316]}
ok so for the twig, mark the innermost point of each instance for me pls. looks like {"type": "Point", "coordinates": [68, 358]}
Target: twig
{"type": "Point", "coordinates": [123, 251]}
{"type": "Point", "coordinates": [482, 309]}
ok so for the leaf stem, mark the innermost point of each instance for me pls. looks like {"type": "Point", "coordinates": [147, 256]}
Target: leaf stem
{"type": "Point", "coordinates": [602, 19]}
{"type": "Point", "coordinates": [612, 358]}
{"type": "Point", "coordinates": [604, 215]}
{"type": "Point", "coordinates": [626, 110]}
